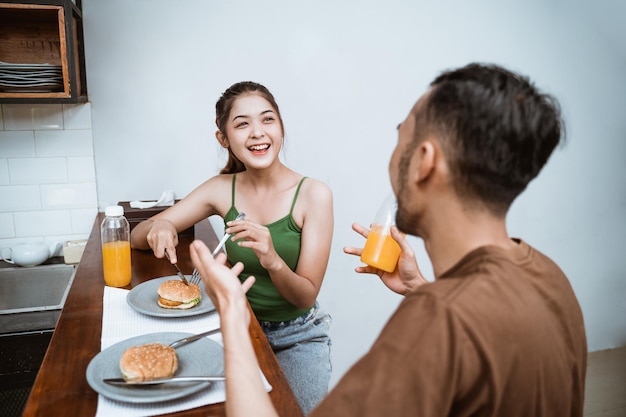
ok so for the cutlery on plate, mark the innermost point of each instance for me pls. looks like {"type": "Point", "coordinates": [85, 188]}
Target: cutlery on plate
{"type": "Point", "coordinates": [193, 338]}
{"type": "Point", "coordinates": [176, 379]}
{"type": "Point", "coordinates": [178, 271]}
{"type": "Point", "coordinates": [175, 344]}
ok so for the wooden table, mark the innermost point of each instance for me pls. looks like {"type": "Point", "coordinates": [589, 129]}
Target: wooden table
{"type": "Point", "coordinates": [61, 387]}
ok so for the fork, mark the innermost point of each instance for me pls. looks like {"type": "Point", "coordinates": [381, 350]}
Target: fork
{"type": "Point", "coordinates": [195, 275]}
{"type": "Point", "coordinates": [193, 338]}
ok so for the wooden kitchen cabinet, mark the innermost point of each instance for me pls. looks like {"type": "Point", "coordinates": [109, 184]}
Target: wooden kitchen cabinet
{"type": "Point", "coordinates": [42, 56]}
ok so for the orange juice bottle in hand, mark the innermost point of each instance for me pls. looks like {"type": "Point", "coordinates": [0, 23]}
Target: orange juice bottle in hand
{"type": "Point", "coordinates": [115, 233]}
{"type": "Point", "coordinates": [381, 250]}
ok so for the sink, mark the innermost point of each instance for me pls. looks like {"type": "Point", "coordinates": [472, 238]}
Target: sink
{"type": "Point", "coordinates": [32, 298]}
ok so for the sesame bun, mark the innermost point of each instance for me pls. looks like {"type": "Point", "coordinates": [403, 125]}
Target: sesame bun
{"type": "Point", "coordinates": [146, 362]}
{"type": "Point", "coordinates": [175, 294]}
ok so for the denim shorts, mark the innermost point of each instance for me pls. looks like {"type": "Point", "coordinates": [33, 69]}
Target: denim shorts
{"type": "Point", "coordinates": [302, 347]}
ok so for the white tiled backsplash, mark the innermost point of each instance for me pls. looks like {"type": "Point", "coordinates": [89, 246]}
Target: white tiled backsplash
{"type": "Point", "coordinates": [47, 173]}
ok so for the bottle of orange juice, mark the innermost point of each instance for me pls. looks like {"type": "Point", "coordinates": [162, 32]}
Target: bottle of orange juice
{"type": "Point", "coordinates": [381, 250]}
{"type": "Point", "coordinates": [115, 233]}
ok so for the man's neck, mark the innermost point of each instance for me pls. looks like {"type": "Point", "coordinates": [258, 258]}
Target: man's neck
{"type": "Point", "coordinates": [449, 238]}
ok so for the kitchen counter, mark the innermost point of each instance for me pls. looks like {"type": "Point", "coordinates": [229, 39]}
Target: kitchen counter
{"type": "Point", "coordinates": [61, 387]}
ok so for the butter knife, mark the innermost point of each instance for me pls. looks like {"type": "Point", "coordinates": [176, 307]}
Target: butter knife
{"type": "Point", "coordinates": [240, 216]}
{"type": "Point", "coordinates": [176, 379]}
{"type": "Point", "coordinates": [178, 271]}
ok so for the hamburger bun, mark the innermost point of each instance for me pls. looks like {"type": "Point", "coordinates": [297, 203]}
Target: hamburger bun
{"type": "Point", "coordinates": [175, 294]}
{"type": "Point", "coordinates": [146, 362]}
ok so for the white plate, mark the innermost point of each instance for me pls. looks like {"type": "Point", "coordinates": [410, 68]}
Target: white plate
{"type": "Point", "coordinates": [202, 357]}
{"type": "Point", "coordinates": [144, 296]}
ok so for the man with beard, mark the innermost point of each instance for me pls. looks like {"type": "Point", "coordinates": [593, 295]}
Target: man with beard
{"type": "Point", "coordinates": [499, 332]}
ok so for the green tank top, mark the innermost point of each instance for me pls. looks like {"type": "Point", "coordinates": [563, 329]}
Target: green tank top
{"type": "Point", "coordinates": [264, 298]}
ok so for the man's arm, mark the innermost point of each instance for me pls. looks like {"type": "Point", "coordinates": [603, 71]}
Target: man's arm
{"type": "Point", "coordinates": [245, 392]}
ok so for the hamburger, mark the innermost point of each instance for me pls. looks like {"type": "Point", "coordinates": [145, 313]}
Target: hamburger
{"type": "Point", "coordinates": [175, 294]}
{"type": "Point", "coordinates": [146, 362]}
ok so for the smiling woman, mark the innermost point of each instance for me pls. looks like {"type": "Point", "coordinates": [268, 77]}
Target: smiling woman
{"type": "Point", "coordinates": [284, 241]}
{"type": "Point", "coordinates": [253, 129]}
{"type": "Point", "coordinates": [242, 120]}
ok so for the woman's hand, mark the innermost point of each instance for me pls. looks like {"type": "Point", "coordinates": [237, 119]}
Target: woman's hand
{"type": "Point", "coordinates": [163, 236]}
{"type": "Point", "coordinates": [257, 237]}
{"type": "Point", "coordinates": [405, 277]}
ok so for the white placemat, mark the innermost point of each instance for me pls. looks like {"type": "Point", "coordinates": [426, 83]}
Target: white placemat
{"type": "Point", "coordinates": [120, 322]}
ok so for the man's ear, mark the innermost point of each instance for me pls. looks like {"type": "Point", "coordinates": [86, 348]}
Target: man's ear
{"type": "Point", "coordinates": [425, 161]}
{"type": "Point", "coordinates": [222, 139]}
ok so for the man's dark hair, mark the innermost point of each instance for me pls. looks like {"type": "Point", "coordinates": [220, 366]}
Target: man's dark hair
{"type": "Point", "coordinates": [497, 131]}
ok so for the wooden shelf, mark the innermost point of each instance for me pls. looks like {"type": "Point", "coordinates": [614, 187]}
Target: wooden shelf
{"type": "Point", "coordinates": [44, 32]}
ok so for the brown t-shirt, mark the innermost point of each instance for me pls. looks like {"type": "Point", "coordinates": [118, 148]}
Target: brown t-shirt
{"type": "Point", "coordinates": [499, 334]}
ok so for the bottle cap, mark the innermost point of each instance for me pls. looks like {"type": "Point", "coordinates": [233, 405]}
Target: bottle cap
{"type": "Point", "coordinates": [114, 211]}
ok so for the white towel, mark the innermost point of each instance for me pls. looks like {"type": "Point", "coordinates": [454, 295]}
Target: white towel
{"type": "Point", "coordinates": [167, 199]}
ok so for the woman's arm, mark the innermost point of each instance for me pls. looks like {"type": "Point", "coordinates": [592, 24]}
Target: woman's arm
{"type": "Point", "coordinates": [316, 204]}
{"type": "Point", "coordinates": [160, 232]}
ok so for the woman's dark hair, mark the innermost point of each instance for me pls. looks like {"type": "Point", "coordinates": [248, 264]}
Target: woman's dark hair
{"type": "Point", "coordinates": [497, 131]}
{"type": "Point", "coordinates": [222, 111]}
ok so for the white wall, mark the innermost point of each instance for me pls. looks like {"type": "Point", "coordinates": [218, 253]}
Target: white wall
{"type": "Point", "coordinates": [47, 174]}
{"type": "Point", "coordinates": [345, 74]}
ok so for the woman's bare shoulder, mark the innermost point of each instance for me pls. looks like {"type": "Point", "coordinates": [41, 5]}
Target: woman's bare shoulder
{"type": "Point", "coordinates": [220, 179]}
{"type": "Point", "coordinates": [315, 187]}
{"type": "Point", "coordinates": [214, 193]}
{"type": "Point", "coordinates": [315, 194]}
